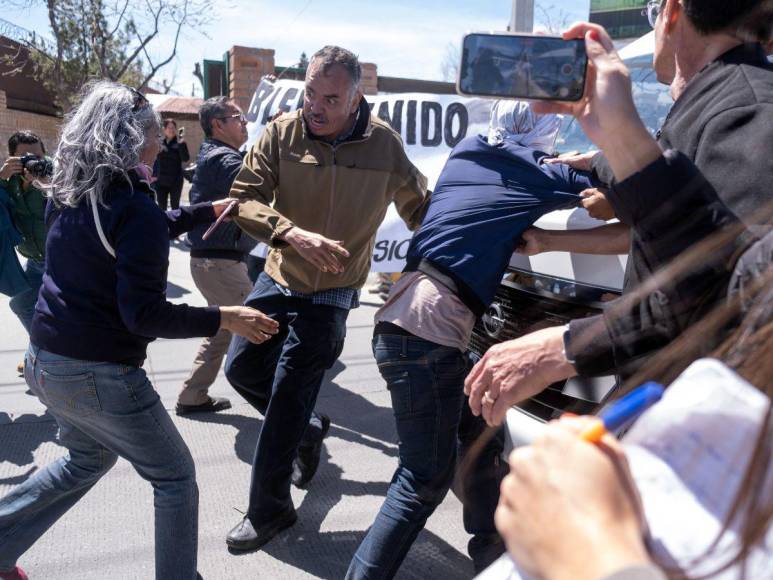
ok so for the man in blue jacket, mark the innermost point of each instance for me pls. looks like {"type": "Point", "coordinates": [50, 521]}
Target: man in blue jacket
{"type": "Point", "coordinates": [488, 193]}
{"type": "Point", "coordinates": [218, 264]}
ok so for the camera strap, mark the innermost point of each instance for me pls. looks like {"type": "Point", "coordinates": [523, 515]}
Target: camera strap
{"type": "Point", "coordinates": [98, 223]}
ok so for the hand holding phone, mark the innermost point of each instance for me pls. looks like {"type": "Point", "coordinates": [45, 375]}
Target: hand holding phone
{"type": "Point", "coordinates": [607, 113]}
{"type": "Point", "coordinates": [522, 66]}
{"type": "Point", "coordinates": [229, 208]}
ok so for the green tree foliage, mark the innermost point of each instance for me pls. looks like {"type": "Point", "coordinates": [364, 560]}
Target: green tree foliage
{"type": "Point", "coordinates": [126, 41]}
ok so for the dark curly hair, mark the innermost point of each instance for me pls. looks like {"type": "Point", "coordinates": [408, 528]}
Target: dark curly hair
{"type": "Point", "coordinates": [26, 137]}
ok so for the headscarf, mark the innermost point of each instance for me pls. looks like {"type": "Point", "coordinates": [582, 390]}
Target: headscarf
{"type": "Point", "coordinates": [514, 121]}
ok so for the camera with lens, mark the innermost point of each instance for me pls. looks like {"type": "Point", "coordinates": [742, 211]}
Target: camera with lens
{"type": "Point", "coordinates": [37, 166]}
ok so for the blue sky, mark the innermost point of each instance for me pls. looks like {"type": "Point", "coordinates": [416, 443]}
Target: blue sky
{"type": "Point", "coordinates": [404, 38]}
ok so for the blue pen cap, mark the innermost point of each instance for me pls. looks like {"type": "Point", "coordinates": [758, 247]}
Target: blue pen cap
{"type": "Point", "coordinates": [625, 410]}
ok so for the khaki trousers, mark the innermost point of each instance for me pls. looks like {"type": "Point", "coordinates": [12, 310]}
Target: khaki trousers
{"type": "Point", "coordinates": [222, 283]}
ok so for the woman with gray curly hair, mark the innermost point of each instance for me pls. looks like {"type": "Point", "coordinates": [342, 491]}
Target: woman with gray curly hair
{"type": "Point", "coordinates": [102, 301]}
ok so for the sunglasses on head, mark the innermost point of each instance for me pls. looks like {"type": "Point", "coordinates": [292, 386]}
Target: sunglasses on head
{"type": "Point", "coordinates": [140, 100]}
{"type": "Point", "coordinates": [652, 11]}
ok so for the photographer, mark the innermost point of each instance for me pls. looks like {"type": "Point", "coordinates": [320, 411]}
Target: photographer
{"type": "Point", "coordinates": [20, 177]}
{"type": "Point", "coordinates": [168, 168]}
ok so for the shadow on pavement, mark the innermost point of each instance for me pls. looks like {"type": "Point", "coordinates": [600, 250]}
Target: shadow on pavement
{"type": "Point", "coordinates": [356, 419]}
{"type": "Point", "coordinates": [327, 554]}
{"type": "Point", "coordinates": [181, 244]}
{"type": "Point", "coordinates": [175, 291]}
{"type": "Point", "coordinates": [20, 437]}
{"type": "Point", "coordinates": [247, 429]}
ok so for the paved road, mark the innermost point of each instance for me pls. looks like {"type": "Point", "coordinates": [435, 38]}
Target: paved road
{"type": "Point", "coordinates": [109, 534]}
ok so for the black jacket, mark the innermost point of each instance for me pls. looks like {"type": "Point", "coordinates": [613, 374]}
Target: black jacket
{"type": "Point", "coordinates": [671, 207]}
{"type": "Point", "coordinates": [216, 169]}
{"type": "Point", "coordinates": [723, 124]}
{"type": "Point", "coordinates": [168, 169]}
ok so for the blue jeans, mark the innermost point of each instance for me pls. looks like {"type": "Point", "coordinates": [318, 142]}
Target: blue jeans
{"type": "Point", "coordinates": [434, 424]}
{"type": "Point", "coordinates": [23, 303]}
{"type": "Point", "coordinates": [281, 379]}
{"type": "Point", "coordinates": [104, 411]}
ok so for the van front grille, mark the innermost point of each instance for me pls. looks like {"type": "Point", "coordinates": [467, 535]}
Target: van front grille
{"type": "Point", "coordinates": [516, 312]}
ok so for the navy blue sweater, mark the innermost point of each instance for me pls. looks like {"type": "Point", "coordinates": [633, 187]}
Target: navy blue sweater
{"type": "Point", "coordinates": [485, 197]}
{"type": "Point", "coordinates": [95, 307]}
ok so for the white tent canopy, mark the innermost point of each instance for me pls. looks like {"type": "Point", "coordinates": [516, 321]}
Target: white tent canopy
{"type": "Point", "coordinates": [639, 47]}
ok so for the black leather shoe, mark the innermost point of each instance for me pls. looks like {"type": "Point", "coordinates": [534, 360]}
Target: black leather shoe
{"type": "Point", "coordinates": [214, 405]}
{"type": "Point", "coordinates": [244, 536]}
{"type": "Point", "coordinates": [307, 462]}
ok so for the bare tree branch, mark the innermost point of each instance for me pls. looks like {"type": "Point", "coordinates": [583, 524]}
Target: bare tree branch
{"type": "Point", "coordinates": [143, 42]}
{"type": "Point", "coordinates": [16, 61]}
{"type": "Point", "coordinates": [554, 20]}
{"type": "Point", "coordinates": [52, 21]}
{"type": "Point", "coordinates": [154, 69]}
{"type": "Point", "coordinates": [119, 20]}
{"type": "Point", "coordinates": [449, 67]}
{"type": "Point", "coordinates": [113, 39]}
{"type": "Point", "coordinates": [167, 84]}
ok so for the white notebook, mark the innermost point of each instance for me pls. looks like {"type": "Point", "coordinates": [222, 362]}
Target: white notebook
{"type": "Point", "coordinates": [688, 454]}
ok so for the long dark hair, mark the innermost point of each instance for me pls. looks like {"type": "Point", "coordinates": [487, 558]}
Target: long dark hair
{"type": "Point", "coordinates": [746, 349]}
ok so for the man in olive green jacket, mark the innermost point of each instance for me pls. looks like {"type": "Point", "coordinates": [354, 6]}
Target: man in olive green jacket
{"type": "Point", "coordinates": [315, 188]}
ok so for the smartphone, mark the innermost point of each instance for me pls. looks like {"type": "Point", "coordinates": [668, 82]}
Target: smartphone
{"type": "Point", "coordinates": [180, 132]}
{"type": "Point", "coordinates": [229, 208]}
{"type": "Point", "coordinates": [520, 66]}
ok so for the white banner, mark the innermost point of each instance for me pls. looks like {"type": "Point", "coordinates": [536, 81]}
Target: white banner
{"type": "Point", "coordinates": [430, 125]}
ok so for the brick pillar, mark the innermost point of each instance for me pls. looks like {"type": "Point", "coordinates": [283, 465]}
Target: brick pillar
{"type": "Point", "coordinates": [369, 78]}
{"type": "Point", "coordinates": [246, 67]}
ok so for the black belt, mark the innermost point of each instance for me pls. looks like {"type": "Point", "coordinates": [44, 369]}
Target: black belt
{"type": "Point", "coordinates": [384, 327]}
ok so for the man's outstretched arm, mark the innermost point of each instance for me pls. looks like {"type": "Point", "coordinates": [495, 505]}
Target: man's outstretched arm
{"type": "Point", "coordinates": [609, 239]}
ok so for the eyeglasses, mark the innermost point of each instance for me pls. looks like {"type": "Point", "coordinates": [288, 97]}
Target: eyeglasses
{"type": "Point", "coordinates": [652, 11]}
{"type": "Point", "coordinates": [140, 100]}
{"type": "Point", "coordinates": [240, 116]}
